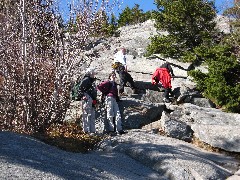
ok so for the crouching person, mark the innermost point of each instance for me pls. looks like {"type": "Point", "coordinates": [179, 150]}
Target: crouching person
{"type": "Point", "coordinates": [110, 91]}
{"type": "Point", "coordinates": [88, 93]}
{"type": "Point", "coordinates": [163, 75]}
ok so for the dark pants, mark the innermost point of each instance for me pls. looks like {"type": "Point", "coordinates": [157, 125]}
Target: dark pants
{"type": "Point", "coordinates": [166, 93]}
{"type": "Point", "coordinates": [124, 78]}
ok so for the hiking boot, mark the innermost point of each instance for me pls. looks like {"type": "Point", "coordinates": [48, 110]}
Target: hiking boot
{"type": "Point", "coordinates": [123, 94]}
{"type": "Point", "coordinates": [135, 91]}
{"type": "Point", "coordinates": [171, 94]}
{"type": "Point", "coordinates": [122, 132]}
{"type": "Point", "coordinates": [166, 100]}
{"type": "Point", "coordinates": [112, 133]}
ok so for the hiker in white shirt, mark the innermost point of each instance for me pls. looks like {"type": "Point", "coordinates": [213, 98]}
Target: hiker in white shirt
{"type": "Point", "coordinates": [121, 58]}
{"type": "Point", "coordinates": [120, 66]}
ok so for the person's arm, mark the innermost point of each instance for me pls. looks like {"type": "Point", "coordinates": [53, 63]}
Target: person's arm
{"type": "Point", "coordinates": [155, 76]}
{"type": "Point", "coordinates": [126, 68]}
{"type": "Point", "coordinates": [125, 63]}
{"type": "Point", "coordinates": [170, 69]}
{"type": "Point", "coordinates": [84, 86]}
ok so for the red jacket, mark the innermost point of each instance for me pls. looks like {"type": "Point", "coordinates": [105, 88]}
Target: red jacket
{"type": "Point", "coordinates": [162, 75]}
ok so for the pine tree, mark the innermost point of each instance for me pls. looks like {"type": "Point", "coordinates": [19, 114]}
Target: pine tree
{"type": "Point", "coordinates": [137, 14]}
{"type": "Point", "coordinates": [133, 16]}
{"type": "Point", "coordinates": [187, 24]}
{"type": "Point", "coordinates": [222, 82]}
{"type": "Point", "coordinates": [112, 27]}
{"type": "Point", "coordinates": [126, 17]}
{"type": "Point", "coordinates": [234, 16]}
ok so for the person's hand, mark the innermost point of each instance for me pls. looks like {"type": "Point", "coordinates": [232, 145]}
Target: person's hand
{"type": "Point", "coordinates": [155, 81]}
{"type": "Point", "coordinates": [94, 103]}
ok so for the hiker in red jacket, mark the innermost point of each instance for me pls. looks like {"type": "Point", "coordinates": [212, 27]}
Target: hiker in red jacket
{"type": "Point", "coordinates": [110, 91]}
{"type": "Point", "coordinates": [164, 74]}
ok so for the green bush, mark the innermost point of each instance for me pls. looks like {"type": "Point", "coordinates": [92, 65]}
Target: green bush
{"type": "Point", "coordinates": [133, 16]}
{"type": "Point", "coordinates": [188, 26]}
{"type": "Point", "coordinates": [222, 82]}
{"type": "Point", "coordinates": [167, 45]}
{"type": "Point", "coordinates": [193, 37]}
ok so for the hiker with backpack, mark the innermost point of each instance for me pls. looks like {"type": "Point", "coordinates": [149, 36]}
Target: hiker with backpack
{"type": "Point", "coordinates": [87, 93]}
{"type": "Point", "coordinates": [120, 66]}
{"type": "Point", "coordinates": [110, 93]}
{"type": "Point", "coordinates": [163, 75]}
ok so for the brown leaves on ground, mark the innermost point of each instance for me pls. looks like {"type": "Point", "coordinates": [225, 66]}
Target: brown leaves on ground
{"type": "Point", "coordinates": [69, 137]}
{"type": "Point", "coordinates": [197, 142]}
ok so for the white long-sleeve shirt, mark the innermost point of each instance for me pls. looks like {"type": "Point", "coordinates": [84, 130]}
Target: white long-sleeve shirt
{"type": "Point", "coordinates": [120, 57]}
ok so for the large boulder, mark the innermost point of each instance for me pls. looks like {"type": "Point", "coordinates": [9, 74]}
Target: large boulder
{"type": "Point", "coordinates": [74, 112]}
{"type": "Point", "coordinates": [136, 113]}
{"type": "Point", "coordinates": [170, 157]}
{"type": "Point", "coordinates": [222, 136]}
{"type": "Point", "coordinates": [175, 128]}
{"type": "Point", "coordinates": [24, 157]}
{"type": "Point", "coordinates": [212, 126]}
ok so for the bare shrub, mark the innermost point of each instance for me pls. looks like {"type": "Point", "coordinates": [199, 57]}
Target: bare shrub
{"type": "Point", "coordinates": [38, 62]}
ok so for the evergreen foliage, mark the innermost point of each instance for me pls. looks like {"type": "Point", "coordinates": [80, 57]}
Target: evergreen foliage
{"type": "Point", "coordinates": [234, 16]}
{"type": "Point", "coordinates": [111, 26]}
{"type": "Point", "coordinates": [126, 17]}
{"type": "Point", "coordinates": [104, 26]}
{"type": "Point", "coordinates": [133, 16]}
{"type": "Point", "coordinates": [193, 37]}
{"type": "Point", "coordinates": [221, 83]}
{"type": "Point", "coordinates": [148, 15]}
{"type": "Point", "coordinates": [188, 26]}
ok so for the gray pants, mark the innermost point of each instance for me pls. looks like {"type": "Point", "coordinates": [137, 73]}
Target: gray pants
{"type": "Point", "coordinates": [88, 115]}
{"type": "Point", "coordinates": [113, 114]}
